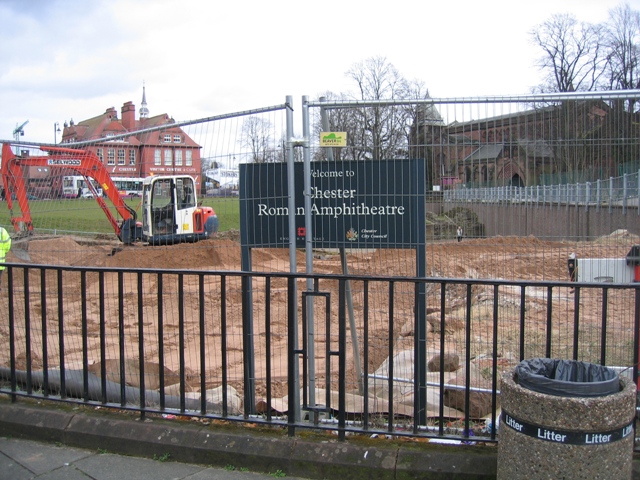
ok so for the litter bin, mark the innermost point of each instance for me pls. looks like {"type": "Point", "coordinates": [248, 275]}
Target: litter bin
{"type": "Point", "coordinates": [567, 420]}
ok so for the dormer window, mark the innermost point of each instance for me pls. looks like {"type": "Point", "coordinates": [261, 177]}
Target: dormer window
{"type": "Point", "coordinates": [166, 138]}
{"type": "Point", "coordinates": [177, 139]}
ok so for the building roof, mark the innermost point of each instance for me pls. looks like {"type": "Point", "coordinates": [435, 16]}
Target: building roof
{"type": "Point", "coordinates": [519, 116]}
{"type": "Point", "coordinates": [429, 115]}
{"type": "Point", "coordinates": [98, 127]}
{"type": "Point", "coordinates": [535, 148]}
{"type": "Point", "coordinates": [485, 152]}
{"type": "Point", "coordinates": [106, 124]}
{"type": "Point", "coordinates": [153, 138]}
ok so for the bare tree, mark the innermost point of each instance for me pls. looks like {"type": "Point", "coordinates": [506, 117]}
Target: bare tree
{"type": "Point", "coordinates": [573, 56]}
{"type": "Point", "coordinates": [583, 57]}
{"type": "Point", "coordinates": [622, 42]}
{"type": "Point", "coordinates": [339, 120]}
{"type": "Point", "coordinates": [623, 73]}
{"type": "Point", "coordinates": [574, 59]}
{"type": "Point", "coordinates": [280, 151]}
{"type": "Point", "coordinates": [379, 131]}
{"type": "Point", "coordinates": [257, 137]}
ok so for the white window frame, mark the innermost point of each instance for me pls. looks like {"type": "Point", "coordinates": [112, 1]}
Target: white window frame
{"type": "Point", "coordinates": [168, 157]}
{"type": "Point", "coordinates": [111, 156]}
{"type": "Point", "coordinates": [121, 156]}
{"type": "Point", "coordinates": [188, 158]}
{"type": "Point", "coordinates": [157, 160]}
{"type": "Point", "coordinates": [177, 138]}
{"type": "Point", "coordinates": [132, 156]}
{"type": "Point", "coordinates": [178, 158]}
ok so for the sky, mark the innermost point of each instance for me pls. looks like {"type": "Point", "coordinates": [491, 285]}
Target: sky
{"type": "Point", "coordinates": [73, 59]}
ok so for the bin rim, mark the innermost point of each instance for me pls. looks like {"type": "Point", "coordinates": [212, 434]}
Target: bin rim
{"type": "Point", "coordinates": [565, 378]}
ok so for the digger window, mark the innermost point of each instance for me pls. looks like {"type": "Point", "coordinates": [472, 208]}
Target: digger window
{"type": "Point", "coordinates": [161, 195]}
{"type": "Point", "coordinates": [162, 207]}
{"type": "Point", "coordinates": [184, 191]}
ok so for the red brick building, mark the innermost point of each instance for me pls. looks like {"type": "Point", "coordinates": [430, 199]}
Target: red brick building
{"type": "Point", "coordinates": [165, 150]}
{"type": "Point", "coordinates": [574, 141]}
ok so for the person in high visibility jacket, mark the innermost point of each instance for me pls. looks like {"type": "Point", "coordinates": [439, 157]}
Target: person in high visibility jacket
{"type": "Point", "coordinates": [5, 245]}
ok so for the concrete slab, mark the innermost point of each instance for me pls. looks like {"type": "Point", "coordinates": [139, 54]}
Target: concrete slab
{"type": "Point", "coordinates": [332, 459]}
{"type": "Point", "coordinates": [111, 467]}
{"type": "Point", "coordinates": [65, 473]}
{"type": "Point", "coordinates": [206, 450]}
{"type": "Point", "coordinates": [40, 458]}
{"type": "Point", "coordinates": [257, 453]}
{"type": "Point", "coordinates": [88, 465]}
{"type": "Point", "coordinates": [130, 436]}
{"type": "Point", "coordinates": [21, 421]}
{"type": "Point", "coordinates": [441, 461]}
{"type": "Point", "coordinates": [12, 470]}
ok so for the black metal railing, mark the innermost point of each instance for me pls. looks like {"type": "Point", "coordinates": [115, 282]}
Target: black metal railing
{"type": "Point", "coordinates": [345, 356]}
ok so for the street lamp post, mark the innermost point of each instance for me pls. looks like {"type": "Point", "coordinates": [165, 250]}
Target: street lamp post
{"type": "Point", "coordinates": [56, 130]}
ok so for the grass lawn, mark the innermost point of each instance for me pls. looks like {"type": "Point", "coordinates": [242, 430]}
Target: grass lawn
{"type": "Point", "coordinates": [228, 211]}
{"type": "Point", "coordinates": [85, 215]}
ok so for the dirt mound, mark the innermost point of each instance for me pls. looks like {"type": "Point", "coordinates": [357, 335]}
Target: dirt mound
{"type": "Point", "coordinates": [214, 254]}
{"type": "Point", "coordinates": [64, 250]}
{"type": "Point", "coordinates": [619, 237]}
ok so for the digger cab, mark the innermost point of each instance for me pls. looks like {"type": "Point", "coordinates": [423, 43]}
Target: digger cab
{"type": "Point", "coordinates": [171, 213]}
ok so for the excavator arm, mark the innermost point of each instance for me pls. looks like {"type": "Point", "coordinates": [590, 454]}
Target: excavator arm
{"type": "Point", "coordinates": [84, 163]}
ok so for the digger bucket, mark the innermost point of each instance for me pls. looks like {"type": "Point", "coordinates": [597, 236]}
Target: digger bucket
{"type": "Point", "coordinates": [20, 248]}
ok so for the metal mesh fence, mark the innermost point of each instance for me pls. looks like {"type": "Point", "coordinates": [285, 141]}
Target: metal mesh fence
{"type": "Point", "coordinates": [520, 176]}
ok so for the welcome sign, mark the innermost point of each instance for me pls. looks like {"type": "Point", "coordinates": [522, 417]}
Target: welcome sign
{"type": "Point", "coordinates": [354, 204]}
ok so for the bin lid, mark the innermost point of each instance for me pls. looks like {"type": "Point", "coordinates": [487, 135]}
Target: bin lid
{"type": "Point", "coordinates": [566, 378]}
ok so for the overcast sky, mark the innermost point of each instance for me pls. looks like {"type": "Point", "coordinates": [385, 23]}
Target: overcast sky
{"type": "Point", "coordinates": [73, 59]}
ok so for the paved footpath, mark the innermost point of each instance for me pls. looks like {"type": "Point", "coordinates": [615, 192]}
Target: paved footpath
{"type": "Point", "coordinates": [26, 459]}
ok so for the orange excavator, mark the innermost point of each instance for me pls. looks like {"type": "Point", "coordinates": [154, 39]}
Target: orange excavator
{"type": "Point", "coordinates": [170, 211]}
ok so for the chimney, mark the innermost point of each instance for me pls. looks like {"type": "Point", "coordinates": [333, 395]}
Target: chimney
{"type": "Point", "coordinates": [129, 116]}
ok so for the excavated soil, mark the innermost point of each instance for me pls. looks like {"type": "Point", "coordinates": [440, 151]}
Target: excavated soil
{"type": "Point", "coordinates": [117, 305]}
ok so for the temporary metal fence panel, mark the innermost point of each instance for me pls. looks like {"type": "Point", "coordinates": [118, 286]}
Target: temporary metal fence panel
{"type": "Point", "coordinates": [86, 301]}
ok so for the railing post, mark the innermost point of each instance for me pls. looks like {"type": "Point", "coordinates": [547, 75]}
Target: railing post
{"type": "Point", "coordinates": [342, 359]}
{"type": "Point", "coordinates": [292, 355]}
{"type": "Point", "coordinates": [611, 194]}
{"type": "Point", "coordinates": [12, 336]}
{"type": "Point", "coordinates": [624, 192]}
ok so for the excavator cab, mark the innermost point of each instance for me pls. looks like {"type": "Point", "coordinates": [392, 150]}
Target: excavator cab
{"type": "Point", "coordinates": [171, 213]}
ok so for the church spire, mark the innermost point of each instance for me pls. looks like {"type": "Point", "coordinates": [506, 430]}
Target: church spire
{"type": "Point", "coordinates": [144, 111]}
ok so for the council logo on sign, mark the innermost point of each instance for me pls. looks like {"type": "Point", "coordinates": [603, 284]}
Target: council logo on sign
{"type": "Point", "coordinates": [333, 139]}
{"type": "Point", "coordinates": [352, 235]}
